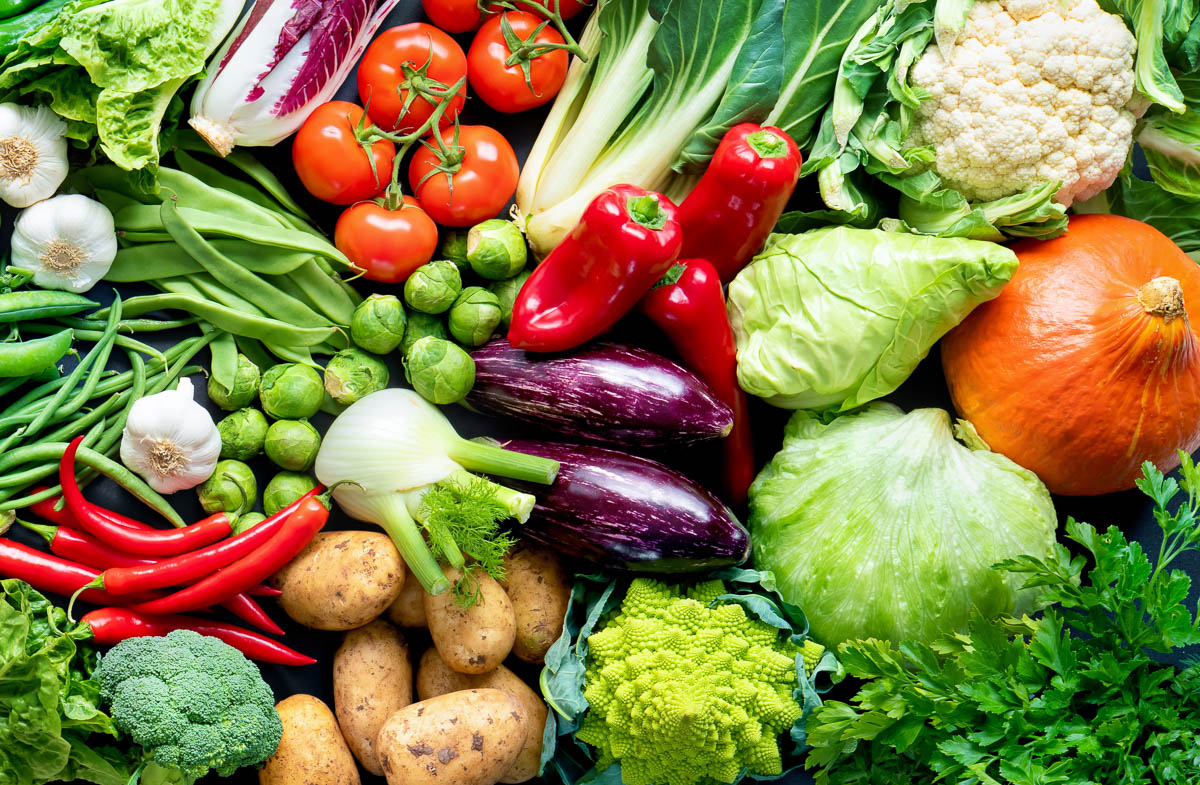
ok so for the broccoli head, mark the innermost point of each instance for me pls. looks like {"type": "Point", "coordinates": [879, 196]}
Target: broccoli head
{"type": "Point", "coordinates": [193, 702]}
{"type": "Point", "coordinates": [681, 693]}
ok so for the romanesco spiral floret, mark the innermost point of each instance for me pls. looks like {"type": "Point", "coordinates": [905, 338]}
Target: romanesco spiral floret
{"type": "Point", "coordinates": [684, 694]}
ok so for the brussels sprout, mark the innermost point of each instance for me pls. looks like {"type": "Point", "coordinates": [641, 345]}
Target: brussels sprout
{"type": "Point", "coordinates": [285, 488]}
{"type": "Point", "coordinates": [352, 374]}
{"type": "Point", "coordinates": [292, 444]}
{"type": "Point", "coordinates": [419, 326]}
{"type": "Point", "coordinates": [291, 391]}
{"type": "Point", "coordinates": [249, 521]}
{"type": "Point", "coordinates": [245, 385]}
{"type": "Point", "coordinates": [454, 249]}
{"type": "Point", "coordinates": [433, 286]}
{"type": "Point", "coordinates": [232, 488]}
{"type": "Point", "coordinates": [506, 292]}
{"type": "Point", "coordinates": [378, 323]}
{"type": "Point", "coordinates": [439, 370]}
{"type": "Point", "coordinates": [496, 249]}
{"type": "Point", "coordinates": [242, 434]}
{"type": "Point", "coordinates": [474, 316]}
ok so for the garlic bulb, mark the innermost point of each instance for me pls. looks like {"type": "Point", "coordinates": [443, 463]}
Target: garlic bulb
{"type": "Point", "coordinates": [170, 440]}
{"type": "Point", "coordinates": [69, 242]}
{"type": "Point", "coordinates": [33, 154]}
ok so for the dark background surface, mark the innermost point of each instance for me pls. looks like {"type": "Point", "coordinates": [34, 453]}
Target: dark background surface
{"type": "Point", "coordinates": [1129, 510]}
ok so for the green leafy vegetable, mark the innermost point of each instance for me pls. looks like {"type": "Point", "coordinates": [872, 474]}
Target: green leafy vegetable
{"type": "Point", "coordinates": [51, 723]}
{"type": "Point", "coordinates": [1073, 696]}
{"type": "Point", "coordinates": [881, 524]}
{"type": "Point", "coordinates": [840, 316]}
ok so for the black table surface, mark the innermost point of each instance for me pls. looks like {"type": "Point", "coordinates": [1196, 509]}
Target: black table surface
{"type": "Point", "coordinates": [926, 388]}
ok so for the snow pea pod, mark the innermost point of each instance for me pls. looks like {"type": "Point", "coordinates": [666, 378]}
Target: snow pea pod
{"type": "Point", "coordinates": [167, 260]}
{"type": "Point", "coordinates": [24, 358]}
{"type": "Point", "coordinates": [38, 304]}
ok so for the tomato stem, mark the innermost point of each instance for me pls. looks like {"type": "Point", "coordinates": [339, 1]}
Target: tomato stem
{"type": "Point", "coordinates": [551, 16]}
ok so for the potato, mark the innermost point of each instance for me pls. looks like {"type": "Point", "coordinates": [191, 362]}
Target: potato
{"type": "Point", "coordinates": [409, 608]}
{"type": "Point", "coordinates": [341, 580]}
{"type": "Point", "coordinates": [474, 639]}
{"type": "Point", "coordinates": [372, 680]}
{"type": "Point", "coordinates": [470, 737]}
{"type": "Point", "coordinates": [312, 750]}
{"type": "Point", "coordinates": [539, 589]}
{"type": "Point", "coordinates": [434, 678]}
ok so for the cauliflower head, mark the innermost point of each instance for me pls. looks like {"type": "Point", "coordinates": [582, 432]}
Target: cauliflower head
{"type": "Point", "coordinates": [680, 693]}
{"type": "Point", "coordinates": [1034, 91]}
{"type": "Point", "coordinates": [193, 702]}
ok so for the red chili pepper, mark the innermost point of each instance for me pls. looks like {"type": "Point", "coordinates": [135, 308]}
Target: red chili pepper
{"type": "Point", "coordinates": [53, 574]}
{"type": "Point", "coordinates": [249, 611]}
{"type": "Point", "coordinates": [138, 542]}
{"type": "Point", "coordinates": [113, 625]}
{"type": "Point", "coordinates": [189, 567]}
{"type": "Point", "coordinates": [299, 529]}
{"type": "Point", "coordinates": [263, 591]}
{"type": "Point", "coordinates": [689, 307]}
{"type": "Point", "coordinates": [624, 242]}
{"type": "Point", "coordinates": [728, 215]}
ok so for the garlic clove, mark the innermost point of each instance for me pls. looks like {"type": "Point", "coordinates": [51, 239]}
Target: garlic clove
{"type": "Point", "coordinates": [33, 154]}
{"type": "Point", "coordinates": [170, 440]}
{"type": "Point", "coordinates": [68, 241]}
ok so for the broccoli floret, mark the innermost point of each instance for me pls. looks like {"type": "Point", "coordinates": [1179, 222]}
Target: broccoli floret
{"type": "Point", "coordinates": [683, 694]}
{"type": "Point", "coordinates": [192, 702]}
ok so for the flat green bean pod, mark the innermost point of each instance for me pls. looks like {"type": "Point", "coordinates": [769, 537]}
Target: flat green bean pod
{"type": "Point", "coordinates": [230, 320]}
{"type": "Point", "coordinates": [149, 261]}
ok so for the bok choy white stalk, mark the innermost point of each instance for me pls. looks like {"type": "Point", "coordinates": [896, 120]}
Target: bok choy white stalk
{"type": "Point", "coordinates": [283, 60]}
{"type": "Point", "coordinates": [405, 468]}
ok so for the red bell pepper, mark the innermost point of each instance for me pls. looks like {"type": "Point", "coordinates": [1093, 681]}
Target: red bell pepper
{"type": "Point", "coordinates": [728, 215]}
{"type": "Point", "coordinates": [626, 240]}
{"type": "Point", "coordinates": [689, 306]}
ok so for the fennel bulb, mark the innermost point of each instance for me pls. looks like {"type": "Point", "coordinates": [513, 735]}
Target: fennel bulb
{"type": "Point", "coordinates": [395, 460]}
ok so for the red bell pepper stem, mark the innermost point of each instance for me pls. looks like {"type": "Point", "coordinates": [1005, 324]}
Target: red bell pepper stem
{"type": "Point", "coordinates": [299, 529]}
{"type": "Point", "coordinates": [113, 625]}
{"type": "Point", "coordinates": [731, 211]}
{"type": "Point", "coordinates": [137, 542]}
{"type": "Point", "coordinates": [190, 567]}
{"type": "Point", "coordinates": [689, 307]}
{"type": "Point", "coordinates": [249, 611]}
{"type": "Point", "coordinates": [624, 242]}
{"type": "Point", "coordinates": [45, 572]}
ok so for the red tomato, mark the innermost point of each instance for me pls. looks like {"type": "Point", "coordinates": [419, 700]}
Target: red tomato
{"type": "Point", "coordinates": [388, 244]}
{"type": "Point", "coordinates": [331, 163]}
{"type": "Point", "coordinates": [503, 87]}
{"type": "Point", "coordinates": [453, 16]}
{"type": "Point", "coordinates": [383, 85]}
{"type": "Point", "coordinates": [483, 182]}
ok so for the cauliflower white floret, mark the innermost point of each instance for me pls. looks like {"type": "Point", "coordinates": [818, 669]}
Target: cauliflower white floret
{"type": "Point", "coordinates": [1034, 91]}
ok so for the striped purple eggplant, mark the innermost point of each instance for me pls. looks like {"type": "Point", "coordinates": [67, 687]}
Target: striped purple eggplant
{"type": "Point", "coordinates": [623, 512]}
{"type": "Point", "coordinates": [603, 392]}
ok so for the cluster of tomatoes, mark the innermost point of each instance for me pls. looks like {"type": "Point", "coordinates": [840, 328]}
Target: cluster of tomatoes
{"type": "Point", "coordinates": [464, 175]}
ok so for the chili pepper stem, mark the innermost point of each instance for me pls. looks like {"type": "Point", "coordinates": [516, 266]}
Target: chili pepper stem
{"type": "Point", "coordinates": [47, 532]}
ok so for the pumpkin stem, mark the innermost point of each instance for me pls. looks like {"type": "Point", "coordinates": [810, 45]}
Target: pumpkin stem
{"type": "Point", "coordinates": [1163, 297]}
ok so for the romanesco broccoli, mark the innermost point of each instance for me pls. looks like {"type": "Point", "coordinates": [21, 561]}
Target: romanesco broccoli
{"type": "Point", "coordinates": [684, 694]}
{"type": "Point", "coordinates": [193, 702]}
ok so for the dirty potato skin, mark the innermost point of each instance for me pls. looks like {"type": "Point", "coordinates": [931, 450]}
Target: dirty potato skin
{"type": "Point", "coordinates": [470, 737]}
{"type": "Point", "coordinates": [341, 580]}
{"type": "Point", "coordinates": [372, 680]}
{"type": "Point", "coordinates": [474, 639]}
{"type": "Point", "coordinates": [312, 750]}
{"type": "Point", "coordinates": [539, 589]}
{"type": "Point", "coordinates": [409, 608]}
{"type": "Point", "coordinates": [434, 678]}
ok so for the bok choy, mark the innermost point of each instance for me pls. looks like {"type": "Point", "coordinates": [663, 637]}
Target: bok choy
{"type": "Point", "coordinates": [401, 464]}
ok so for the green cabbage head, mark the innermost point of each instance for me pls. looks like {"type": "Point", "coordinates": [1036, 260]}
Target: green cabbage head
{"type": "Point", "coordinates": [881, 524]}
{"type": "Point", "coordinates": [839, 316]}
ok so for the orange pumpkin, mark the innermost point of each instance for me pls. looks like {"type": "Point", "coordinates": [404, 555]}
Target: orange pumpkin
{"type": "Point", "coordinates": [1087, 363]}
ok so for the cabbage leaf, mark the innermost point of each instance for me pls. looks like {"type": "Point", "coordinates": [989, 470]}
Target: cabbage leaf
{"type": "Point", "coordinates": [840, 316]}
{"type": "Point", "coordinates": [881, 524]}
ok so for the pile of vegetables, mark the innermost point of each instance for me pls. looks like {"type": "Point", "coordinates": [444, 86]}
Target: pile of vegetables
{"type": "Point", "coordinates": [728, 207]}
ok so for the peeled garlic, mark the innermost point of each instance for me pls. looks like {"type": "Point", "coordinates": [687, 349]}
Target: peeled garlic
{"type": "Point", "coordinates": [170, 440]}
{"type": "Point", "coordinates": [33, 154]}
{"type": "Point", "coordinates": [69, 242]}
